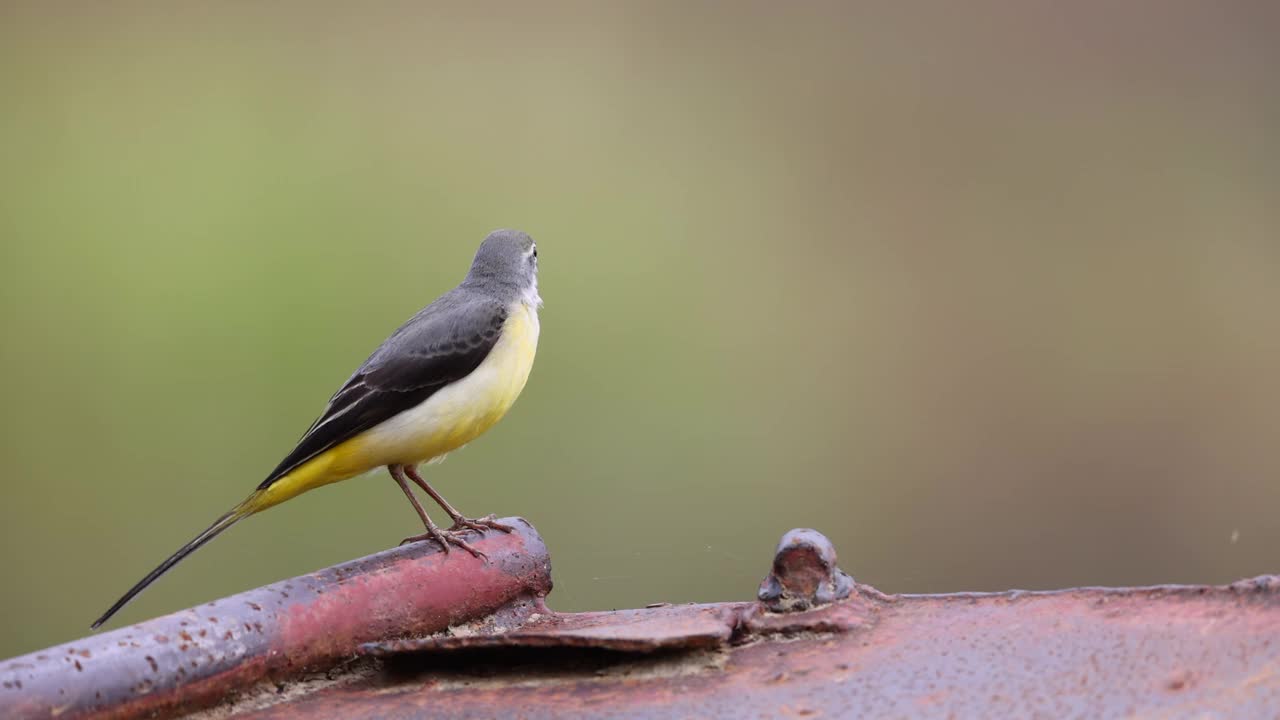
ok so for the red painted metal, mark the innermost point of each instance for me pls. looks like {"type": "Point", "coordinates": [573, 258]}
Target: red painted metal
{"type": "Point", "coordinates": [199, 656]}
{"type": "Point", "coordinates": [637, 631]}
{"type": "Point", "coordinates": [814, 644]}
{"type": "Point", "coordinates": [1167, 651]}
{"type": "Point", "coordinates": [804, 576]}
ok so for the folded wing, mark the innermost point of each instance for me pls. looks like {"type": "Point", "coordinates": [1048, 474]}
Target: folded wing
{"type": "Point", "coordinates": [440, 345]}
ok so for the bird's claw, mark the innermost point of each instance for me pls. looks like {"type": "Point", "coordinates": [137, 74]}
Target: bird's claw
{"type": "Point", "coordinates": [488, 522]}
{"type": "Point", "coordinates": [445, 538]}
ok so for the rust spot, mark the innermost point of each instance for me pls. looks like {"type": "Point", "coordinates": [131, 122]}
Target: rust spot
{"type": "Point", "coordinates": [804, 574]}
{"type": "Point", "coordinates": [405, 592]}
{"type": "Point", "coordinates": [638, 631]}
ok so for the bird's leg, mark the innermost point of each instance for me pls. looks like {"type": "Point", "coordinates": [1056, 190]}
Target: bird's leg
{"type": "Point", "coordinates": [444, 537]}
{"type": "Point", "coordinates": [459, 522]}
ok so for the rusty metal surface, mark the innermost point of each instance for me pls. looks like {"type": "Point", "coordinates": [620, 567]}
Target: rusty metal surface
{"type": "Point", "coordinates": [815, 644]}
{"type": "Point", "coordinates": [1151, 652]}
{"type": "Point", "coordinates": [199, 656]}
{"type": "Point", "coordinates": [639, 631]}
{"type": "Point", "coordinates": [804, 573]}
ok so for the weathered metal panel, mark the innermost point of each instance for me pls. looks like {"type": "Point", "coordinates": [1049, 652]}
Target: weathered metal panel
{"type": "Point", "coordinates": [1171, 651]}
{"type": "Point", "coordinates": [1088, 653]}
{"type": "Point", "coordinates": [467, 639]}
{"type": "Point", "coordinates": [199, 656]}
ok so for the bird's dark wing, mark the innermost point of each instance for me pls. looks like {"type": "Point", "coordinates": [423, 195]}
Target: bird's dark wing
{"type": "Point", "coordinates": [438, 346]}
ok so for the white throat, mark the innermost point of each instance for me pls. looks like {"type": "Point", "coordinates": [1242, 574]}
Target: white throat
{"type": "Point", "coordinates": [530, 296]}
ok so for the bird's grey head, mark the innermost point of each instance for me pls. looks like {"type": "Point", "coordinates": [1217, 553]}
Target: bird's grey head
{"type": "Point", "coordinates": [507, 262]}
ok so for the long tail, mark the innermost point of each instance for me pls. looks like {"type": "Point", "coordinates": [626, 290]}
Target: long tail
{"type": "Point", "coordinates": [236, 514]}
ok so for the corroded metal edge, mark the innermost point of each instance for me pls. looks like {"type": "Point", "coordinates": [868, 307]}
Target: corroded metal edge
{"type": "Point", "coordinates": [1157, 651]}
{"type": "Point", "coordinates": [410, 634]}
{"type": "Point", "coordinates": [196, 657]}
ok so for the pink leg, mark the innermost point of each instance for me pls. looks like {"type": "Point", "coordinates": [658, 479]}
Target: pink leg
{"type": "Point", "coordinates": [444, 537]}
{"type": "Point", "coordinates": [459, 522]}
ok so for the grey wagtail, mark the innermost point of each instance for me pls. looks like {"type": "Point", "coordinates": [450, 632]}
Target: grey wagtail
{"type": "Point", "coordinates": [439, 381]}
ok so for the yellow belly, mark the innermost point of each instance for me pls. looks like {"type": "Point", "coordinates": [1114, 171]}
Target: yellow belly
{"type": "Point", "coordinates": [449, 419]}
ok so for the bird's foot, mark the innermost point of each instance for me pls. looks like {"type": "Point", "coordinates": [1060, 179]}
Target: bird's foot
{"type": "Point", "coordinates": [480, 524]}
{"type": "Point", "coordinates": [446, 538]}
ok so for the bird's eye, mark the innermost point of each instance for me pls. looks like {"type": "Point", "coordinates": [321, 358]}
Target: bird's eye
{"type": "Point", "coordinates": [535, 251]}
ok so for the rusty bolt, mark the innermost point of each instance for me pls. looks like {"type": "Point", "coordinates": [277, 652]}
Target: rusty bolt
{"type": "Point", "coordinates": [804, 574]}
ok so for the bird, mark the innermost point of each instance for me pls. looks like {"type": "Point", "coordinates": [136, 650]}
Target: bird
{"type": "Point", "coordinates": [438, 382]}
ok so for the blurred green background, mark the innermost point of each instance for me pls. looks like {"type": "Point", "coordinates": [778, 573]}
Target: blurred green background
{"type": "Point", "coordinates": [988, 295]}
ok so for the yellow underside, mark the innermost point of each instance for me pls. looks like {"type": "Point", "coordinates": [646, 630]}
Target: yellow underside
{"type": "Point", "coordinates": [449, 419]}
